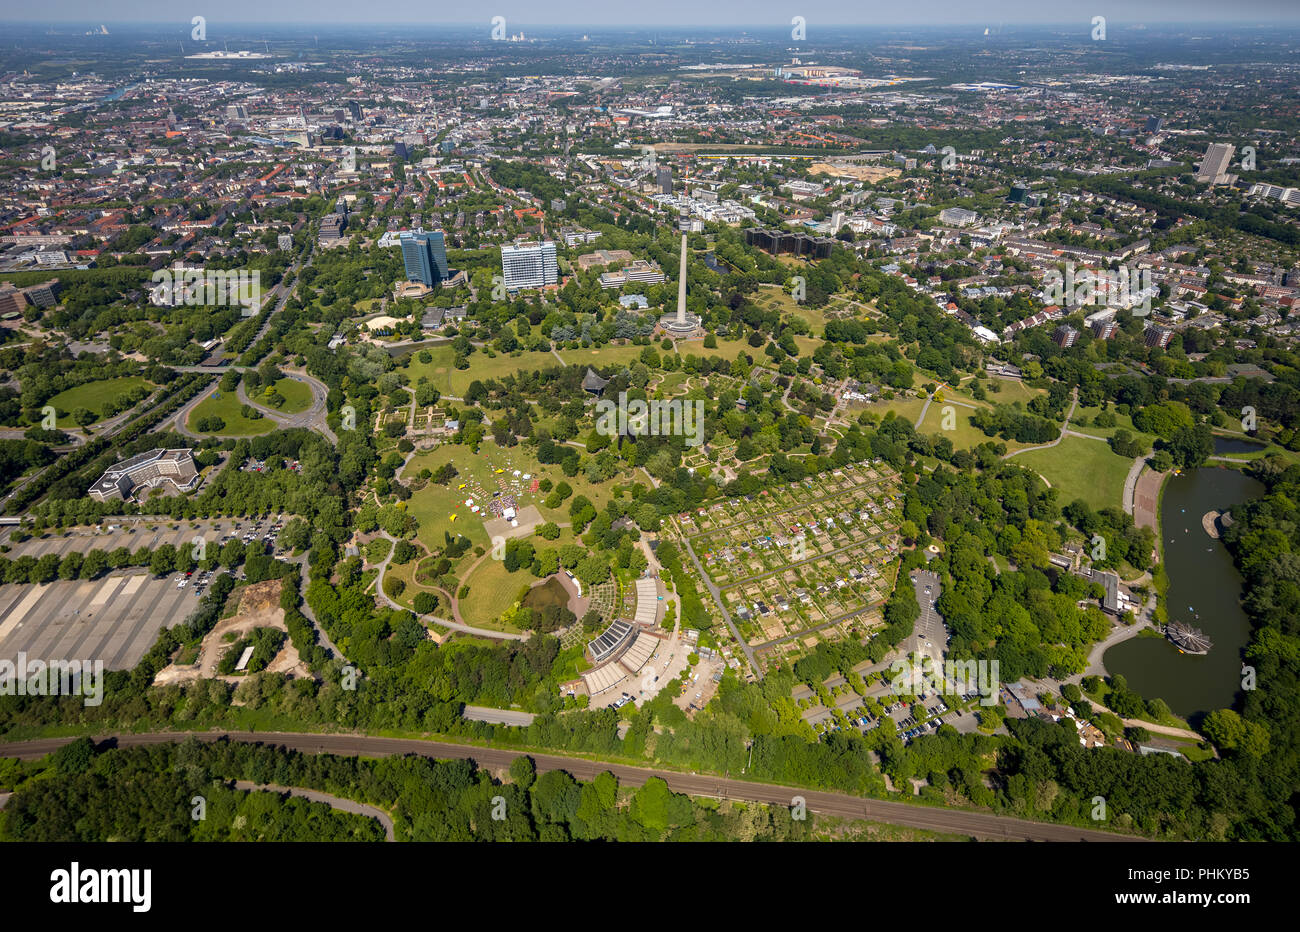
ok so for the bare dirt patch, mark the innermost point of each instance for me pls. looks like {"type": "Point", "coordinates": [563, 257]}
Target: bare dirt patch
{"type": "Point", "coordinates": [259, 607]}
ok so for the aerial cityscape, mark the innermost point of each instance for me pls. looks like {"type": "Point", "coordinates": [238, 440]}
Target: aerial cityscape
{"type": "Point", "coordinates": [782, 431]}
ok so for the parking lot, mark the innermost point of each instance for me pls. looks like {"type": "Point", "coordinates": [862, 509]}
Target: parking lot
{"type": "Point", "coordinates": [930, 636]}
{"type": "Point", "coordinates": [114, 619]}
{"type": "Point", "coordinates": [152, 533]}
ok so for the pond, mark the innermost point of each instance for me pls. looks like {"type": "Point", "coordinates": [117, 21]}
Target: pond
{"type": "Point", "coordinates": [1225, 445]}
{"type": "Point", "coordinates": [1204, 592]}
{"type": "Point", "coordinates": [550, 592]}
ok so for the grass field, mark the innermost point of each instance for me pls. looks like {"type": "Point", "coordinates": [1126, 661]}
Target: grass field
{"type": "Point", "coordinates": [671, 383]}
{"type": "Point", "coordinates": [1010, 391]}
{"type": "Point", "coordinates": [1081, 469]}
{"type": "Point", "coordinates": [297, 395]}
{"type": "Point", "coordinates": [449, 380]}
{"type": "Point", "coordinates": [434, 505]}
{"type": "Point", "coordinates": [93, 396]}
{"type": "Point", "coordinates": [226, 405]}
{"type": "Point", "coordinates": [491, 591]}
{"type": "Point", "coordinates": [1121, 421]}
{"type": "Point", "coordinates": [601, 356]}
{"type": "Point", "coordinates": [908, 408]}
{"type": "Point", "coordinates": [778, 299]}
{"type": "Point", "coordinates": [963, 435]}
{"type": "Point", "coordinates": [455, 382]}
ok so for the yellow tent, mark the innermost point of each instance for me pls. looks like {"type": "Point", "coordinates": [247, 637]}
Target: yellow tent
{"type": "Point", "coordinates": [461, 486]}
{"type": "Point", "coordinates": [453, 517]}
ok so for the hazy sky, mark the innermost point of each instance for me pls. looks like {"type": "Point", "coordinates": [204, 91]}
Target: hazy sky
{"type": "Point", "coordinates": [665, 13]}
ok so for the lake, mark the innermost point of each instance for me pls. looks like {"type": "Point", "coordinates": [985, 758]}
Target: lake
{"type": "Point", "coordinates": [1204, 592]}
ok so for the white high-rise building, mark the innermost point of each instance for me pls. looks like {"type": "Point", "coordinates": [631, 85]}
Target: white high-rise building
{"type": "Point", "coordinates": [1214, 167]}
{"type": "Point", "coordinates": [529, 265]}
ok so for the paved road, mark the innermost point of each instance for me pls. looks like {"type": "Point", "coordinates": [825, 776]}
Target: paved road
{"type": "Point", "coordinates": [340, 803]}
{"type": "Point", "coordinates": [925, 409]}
{"type": "Point", "coordinates": [726, 615]}
{"type": "Point", "coordinates": [929, 635]}
{"type": "Point", "coordinates": [446, 623]}
{"type": "Point", "coordinates": [479, 713]}
{"type": "Point", "coordinates": [179, 421]}
{"type": "Point", "coordinates": [1130, 482]}
{"type": "Point", "coordinates": [952, 821]}
{"type": "Point", "coordinates": [1065, 430]}
{"type": "Point", "coordinates": [313, 417]}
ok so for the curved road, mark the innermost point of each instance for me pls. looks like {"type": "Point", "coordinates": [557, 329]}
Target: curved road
{"type": "Point", "coordinates": [1065, 430]}
{"type": "Point", "coordinates": [341, 803]}
{"type": "Point", "coordinates": [950, 821]}
{"type": "Point", "coordinates": [313, 417]}
{"type": "Point", "coordinates": [453, 625]}
{"type": "Point", "coordinates": [180, 420]}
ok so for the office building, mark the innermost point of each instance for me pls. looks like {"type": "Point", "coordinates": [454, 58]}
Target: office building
{"type": "Point", "coordinates": [425, 256]}
{"type": "Point", "coordinates": [354, 111]}
{"type": "Point", "coordinates": [1214, 166]}
{"type": "Point", "coordinates": [1154, 123]}
{"type": "Point", "coordinates": [529, 265]}
{"type": "Point", "coordinates": [147, 471]}
{"type": "Point", "coordinates": [664, 178]}
{"type": "Point", "coordinates": [639, 271]}
{"type": "Point", "coordinates": [331, 228]}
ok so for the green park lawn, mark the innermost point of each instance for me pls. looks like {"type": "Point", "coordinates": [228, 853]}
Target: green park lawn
{"type": "Point", "coordinates": [297, 395]}
{"type": "Point", "coordinates": [778, 299]}
{"type": "Point", "coordinates": [907, 407]}
{"type": "Point", "coordinates": [1122, 422]}
{"type": "Point", "coordinates": [1010, 391]}
{"type": "Point", "coordinates": [449, 380]}
{"type": "Point", "coordinates": [434, 504]}
{"type": "Point", "coordinates": [964, 435]}
{"type": "Point", "coordinates": [438, 371]}
{"type": "Point", "coordinates": [1081, 469]}
{"type": "Point", "coordinates": [599, 356]}
{"type": "Point", "coordinates": [670, 383]}
{"type": "Point", "coordinates": [226, 405]}
{"type": "Point", "coordinates": [93, 396]}
{"type": "Point", "coordinates": [492, 591]}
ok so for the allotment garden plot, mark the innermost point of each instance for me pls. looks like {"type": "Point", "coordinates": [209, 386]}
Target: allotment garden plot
{"type": "Point", "coordinates": [810, 556]}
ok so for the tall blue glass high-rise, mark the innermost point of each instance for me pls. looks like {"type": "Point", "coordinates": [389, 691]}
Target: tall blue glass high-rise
{"type": "Point", "coordinates": [425, 255]}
